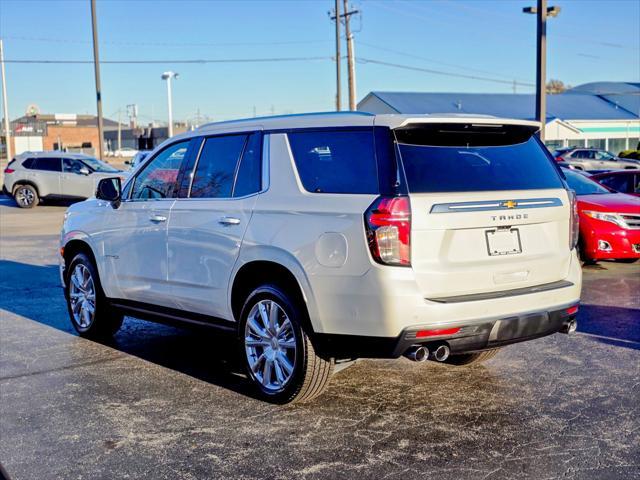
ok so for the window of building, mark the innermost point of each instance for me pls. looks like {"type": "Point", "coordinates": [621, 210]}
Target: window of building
{"type": "Point", "coordinates": [596, 143]}
{"type": "Point", "coordinates": [335, 161]}
{"type": "Point", "coordinates": [216, 169]}
{"type": "Point", "coordinates": [617, 145]}
{"type": "Point", "coordinates": [158, 179]}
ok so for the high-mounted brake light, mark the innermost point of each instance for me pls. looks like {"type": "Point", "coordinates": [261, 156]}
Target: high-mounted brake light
{"type": "Point", "coordinates": [388, 224]}
{"type": "Point", "coordinates": [574, 222]}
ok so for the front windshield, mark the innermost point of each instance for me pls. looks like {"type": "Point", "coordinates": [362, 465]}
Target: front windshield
{"type": "Point", "coordinates": [98, 166]}
{"type": "Point", "coordinates": [583, 185]}
{"type": "Point", "coordinates": [604, 156]}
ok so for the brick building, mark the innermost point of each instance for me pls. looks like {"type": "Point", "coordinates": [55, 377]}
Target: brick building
{"type": "Point", "coordinates": [57, 132]}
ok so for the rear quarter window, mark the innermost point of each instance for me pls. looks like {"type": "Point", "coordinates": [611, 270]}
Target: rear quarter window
{"type": "Point", "coordinates": [336, 161]}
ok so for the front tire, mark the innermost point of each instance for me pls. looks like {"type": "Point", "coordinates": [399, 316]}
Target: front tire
{"type": "Point", "coordinates": [277, 353]}
{"type": "Point", "coordinates": [89, 310]}
{"type": "Point", "coordinates": [26, 196]}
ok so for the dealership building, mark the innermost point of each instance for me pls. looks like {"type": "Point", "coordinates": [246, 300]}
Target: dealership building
{"type": "Point", "coordinates": [601, 114]}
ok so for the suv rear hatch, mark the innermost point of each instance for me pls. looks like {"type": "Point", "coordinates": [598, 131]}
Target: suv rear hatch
{"type": "Point", "coordinates": [489, 210]}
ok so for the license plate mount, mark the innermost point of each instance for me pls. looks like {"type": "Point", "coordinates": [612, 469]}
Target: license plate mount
{"type": "Point", "coordinates": [503, 241]}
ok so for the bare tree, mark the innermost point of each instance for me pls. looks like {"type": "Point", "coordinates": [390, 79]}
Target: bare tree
{"type": "Point", "coordinates": [556, 86]}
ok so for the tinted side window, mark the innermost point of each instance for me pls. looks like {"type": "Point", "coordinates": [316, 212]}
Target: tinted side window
{"type": "Point", "coordinates": [29, 163]}
{"type": "Point", "coordinates": [47, 164]}
{"type": "Point", "coordinates": [619, 183]}
{"type": "Point", "coordinates": [249, 178]}
{"type": "Point", "coordinates": [335, 161]}
{"type": "Point", "coordinates": [216, 167]}
{"type": "Point", "coordinates": [158, 179]}
{"type": "Point", "coordinates": [72, 165]}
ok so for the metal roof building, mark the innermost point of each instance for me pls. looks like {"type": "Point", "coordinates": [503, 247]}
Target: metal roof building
{"type": "Point", "coordinates": [603, 114]}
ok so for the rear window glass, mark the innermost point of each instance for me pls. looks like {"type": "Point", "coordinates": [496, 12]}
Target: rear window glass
{"type": "Point", "coordinates": [335, 161]}
{"type": "Point", "coordinates": [583, 185]}
{"type": "Point", "coordinates": [468, 162]}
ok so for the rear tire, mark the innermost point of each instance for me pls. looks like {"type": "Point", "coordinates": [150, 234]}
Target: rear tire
{"type": "Point", "coordinates": [26, 196]}
{"type": "Point", "coordinates": [472, 358]}
{"type": "Point", "coordinates": [277, 353]}
{"type": "Point", "coordinates": [89, 310]}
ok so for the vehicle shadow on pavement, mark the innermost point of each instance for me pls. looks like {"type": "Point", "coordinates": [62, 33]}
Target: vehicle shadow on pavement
{"type": "Point", "coordinates": [33, 292]}
{"type": "Point", "coordinates": [610, 325]}
{"type": "Point", "coordinates": [49, 202]}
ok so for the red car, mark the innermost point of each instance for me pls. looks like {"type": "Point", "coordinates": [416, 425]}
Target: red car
{"type": "Point", "coordinates": [623, 181]}
{"type": "Point", "coordinates": [609, 221]}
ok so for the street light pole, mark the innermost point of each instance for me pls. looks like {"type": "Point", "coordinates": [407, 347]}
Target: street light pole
{"type": "Point", "coordinates": [7, 125]}
{"type": "Point", "coordinates": [168, 76]}
{"type": "Point", "coordinates": [96, 67]}
{"type": "Point", "coordinates": [542, 11]}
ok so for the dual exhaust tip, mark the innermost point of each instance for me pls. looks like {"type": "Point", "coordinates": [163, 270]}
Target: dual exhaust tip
{"type": "Point", "coordinates": [420, 353]}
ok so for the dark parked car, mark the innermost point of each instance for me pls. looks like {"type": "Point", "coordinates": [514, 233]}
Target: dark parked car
{"type": "Point", "coordinates": [625, 181]}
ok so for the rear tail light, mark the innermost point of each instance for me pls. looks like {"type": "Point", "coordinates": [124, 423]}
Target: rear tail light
{"type": "Point", "coordinates": [9, 170]}
{"type": "Point", "coordinates": [574, 222]}
{"type": "Point", "coordinates": [388, 224]}
{"type": "Point", "coordinates": [559, 159]}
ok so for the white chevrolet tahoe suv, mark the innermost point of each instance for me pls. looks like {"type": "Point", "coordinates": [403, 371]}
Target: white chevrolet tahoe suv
{"type": "Point", "coordinates": [318, 239]}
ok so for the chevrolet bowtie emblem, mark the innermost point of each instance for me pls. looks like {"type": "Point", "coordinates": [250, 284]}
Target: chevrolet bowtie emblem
{"type": "Point", "coordinates": [510, 204]}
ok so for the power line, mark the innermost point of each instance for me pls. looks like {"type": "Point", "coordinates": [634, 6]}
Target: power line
{"type": "Point", "coordinates": [162, 44]}
{"type": "Point", "coordinates": [440, 72]}
{"type": "Point", "coordinates": [193, 61]}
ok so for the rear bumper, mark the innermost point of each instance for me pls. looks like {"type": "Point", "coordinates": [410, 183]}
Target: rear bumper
{"type": "Point", "coordinates": [474, 337]}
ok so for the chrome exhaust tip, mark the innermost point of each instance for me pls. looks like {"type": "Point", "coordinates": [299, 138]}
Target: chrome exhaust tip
{"type": "Point", "coordinates": [570, 327]}
{"type": "Point", "coordinates": [441, 353]}
{"type": "Point", "coordinates": [417, 353]}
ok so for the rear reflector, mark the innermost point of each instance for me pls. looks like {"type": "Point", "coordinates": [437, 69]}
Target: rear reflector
{"type": "Point", "coordinates": [435, 333]}
{"type": "Point", "coordinates": [572, 310]}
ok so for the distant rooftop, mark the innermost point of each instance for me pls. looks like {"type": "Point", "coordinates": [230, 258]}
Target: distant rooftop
{"type": "Point", "coordinates": [597, 101]}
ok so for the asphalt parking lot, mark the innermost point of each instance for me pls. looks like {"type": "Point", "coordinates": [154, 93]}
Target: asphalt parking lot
{"type": "Point", "coordinates": [160, 402]}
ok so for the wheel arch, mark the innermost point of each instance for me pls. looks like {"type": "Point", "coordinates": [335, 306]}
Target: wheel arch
{"type": "Point", "coordinates": [256, 272]}
{"type": "Point", "coordinates": [75, 246]}
{"type": "Point", "coordinates": [20, 182]}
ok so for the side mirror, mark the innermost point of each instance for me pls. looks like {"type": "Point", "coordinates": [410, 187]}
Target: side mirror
{"type": "Point", "coordinates": [127, 162]}
{"type": "Point", "coordinates": [110, 189]}
{"type": "Point", "coordinates": [84, 171]}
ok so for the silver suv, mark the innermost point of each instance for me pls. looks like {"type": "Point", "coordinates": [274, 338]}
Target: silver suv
{"type": "Point", "coordinates": [31, 177]}
{"type": "Point", "coordinates": [319, 239]}
{"type": "Point", "coordinates": [593, 159]}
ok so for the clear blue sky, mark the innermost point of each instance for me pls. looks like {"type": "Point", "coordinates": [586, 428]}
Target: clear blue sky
{"type": "Point", "coordinates": [591, 40]}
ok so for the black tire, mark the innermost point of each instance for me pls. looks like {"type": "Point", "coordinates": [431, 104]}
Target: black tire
{"type": "Point", "coordinates": [584, 258]}
{"type": "Point", "coordinates": [106, 320]}
{"type": "Point", "coordinates": [472, 358]}
{"type": "Point", "coordinates": [26, 196]}
{"type": "Point", "coordinates": [626, 260]}
{"type": "Point", "coordinates": [310, 374]}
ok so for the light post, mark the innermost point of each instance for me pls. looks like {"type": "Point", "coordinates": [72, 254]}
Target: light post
{"type": "Point", "coordinates": [542, 12]}
{"type": "Point", "coordinates": [168, 76]}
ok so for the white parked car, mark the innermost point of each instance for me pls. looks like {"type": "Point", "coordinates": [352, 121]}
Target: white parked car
{"type": "Point", "coordinates": [321, 238]}
{"type": "Point", "coordinates": [125, 152]}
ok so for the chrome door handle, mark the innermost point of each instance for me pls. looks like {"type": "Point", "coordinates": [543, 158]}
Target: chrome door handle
{"type": "Point", "coordinates": [158, 218]}
{"type": "Point", "coordinates": [229, 221]}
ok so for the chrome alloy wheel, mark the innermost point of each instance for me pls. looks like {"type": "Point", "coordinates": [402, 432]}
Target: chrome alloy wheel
{"type": "Point", "coordinates": [270, 345]}
{"type": "Point", "coordinates": [25, 196]}
{"type": "Point", "coordinates": [82, 295]}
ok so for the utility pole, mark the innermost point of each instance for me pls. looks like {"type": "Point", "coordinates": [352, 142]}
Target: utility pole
{"type": "Point", "coordinates": [119, 129]}
{"type": "Point", "coordinates": [96, 67]}
{"type": "Point", "coordinates": [5, 107]}
{"type": "Point", "coordinates": [337, 18]}
{"type": "Point", "coordinates": [350, 55]}
{"type": "Point", "coordinates": [541, 11]}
